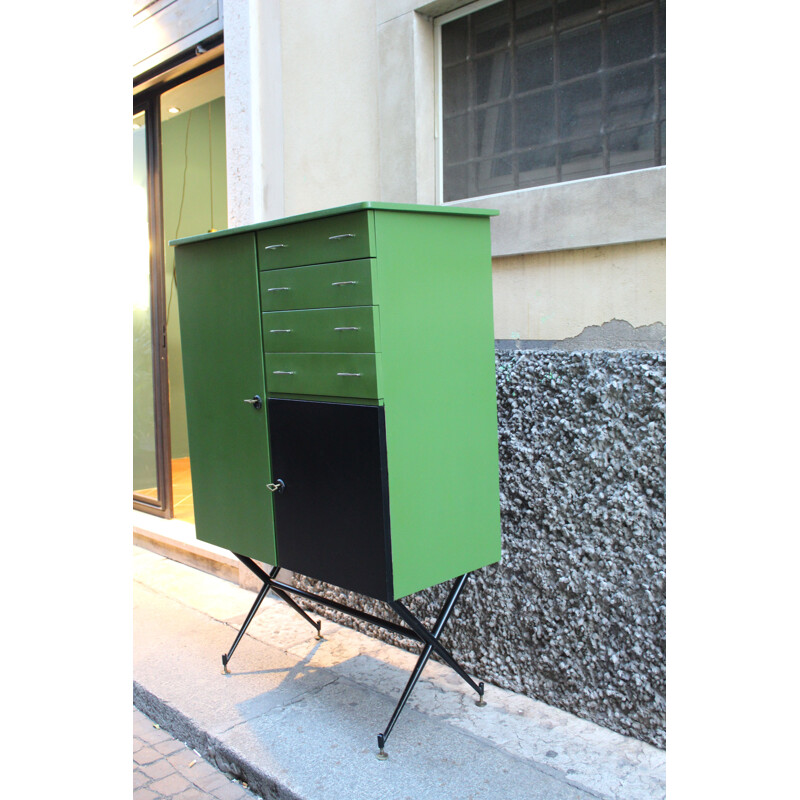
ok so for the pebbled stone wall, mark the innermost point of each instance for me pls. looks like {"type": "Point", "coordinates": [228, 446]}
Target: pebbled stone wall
{"type": "Point", "coordinates": [574, 614]}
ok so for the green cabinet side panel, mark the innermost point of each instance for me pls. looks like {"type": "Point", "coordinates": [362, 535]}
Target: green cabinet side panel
{"type": "Point", "coordinates": [223, 366]}
{"type": "Point", "coordinates": [437, 338]}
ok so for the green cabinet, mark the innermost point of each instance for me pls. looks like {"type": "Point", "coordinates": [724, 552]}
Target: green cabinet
{"type": "Point", "coordinates": [366, 334]}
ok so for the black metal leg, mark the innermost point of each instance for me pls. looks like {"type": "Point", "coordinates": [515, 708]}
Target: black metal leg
{"type": "Point", "coordinates": [417, 626]}
{"type": "Point", "coordinates": [269, 583]}
{"type": "Point", "coordinates": [431, 644]}
{"type": "Point", "coordinates": [248, 619]}
{"type": "Point", "coordinates": [413, 629]}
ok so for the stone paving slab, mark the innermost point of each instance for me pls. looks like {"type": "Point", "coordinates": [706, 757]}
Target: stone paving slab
{"type": "Point", "coordinates": [298, 717]}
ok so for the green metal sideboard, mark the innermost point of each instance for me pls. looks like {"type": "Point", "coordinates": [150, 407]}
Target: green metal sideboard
{"type": "Point", "coordinates": [340, 397]}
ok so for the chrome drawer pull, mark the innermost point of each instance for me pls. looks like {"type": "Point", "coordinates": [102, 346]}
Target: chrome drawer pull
{"type": "Point", "coordinates": [342, 236]}
{"type": "Point", "coordinates": [279, 289]}
{"type": "Point", "coordinates": [347, 329]}
{"type": "Point", "coordinates": [281, 330]}
{"type": "Point", "coordinates": [282, 372]}
{"type": "Point", "coordinates": [274, 246]}
{"type": "Point", "coordinates": [344, 283]}
{"type": "Point", "coordinates": [349, 374]}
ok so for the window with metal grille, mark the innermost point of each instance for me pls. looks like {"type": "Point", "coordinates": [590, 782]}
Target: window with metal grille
{"type": "Point", "coordinates": [536, 92]}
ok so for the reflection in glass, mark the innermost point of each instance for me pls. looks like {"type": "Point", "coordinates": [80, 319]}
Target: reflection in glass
{"type": "Point", "coordinates": [144, 429]}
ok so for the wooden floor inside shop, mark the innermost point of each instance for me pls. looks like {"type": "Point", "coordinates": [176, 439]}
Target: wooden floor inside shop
{"type": "Point", "coordinates": [182, 498]}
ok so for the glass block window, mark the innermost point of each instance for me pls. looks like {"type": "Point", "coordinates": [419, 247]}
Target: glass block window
{"type": "Point", "coordinates": [536, 92]}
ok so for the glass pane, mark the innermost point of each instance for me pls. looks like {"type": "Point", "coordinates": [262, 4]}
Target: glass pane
{"type": "Point", "coordinates": [630, 96]}
{"type": "Point", "coordinates": [454, 41]}
{"type": "Point", "coordinates": [572, 10]}
{"type": "Point", "coordinates": [456, 139]}
{"type": "Point", "coordinates": [630, 36]}
{"type": "Point", "coordinates": [492, 78]}
{"type": "Point", "coordinates": [631, 149]}
{"type": "Point", "coordinates": [537, 167]}
{"type": "Point", "coordinates": [536, 119]}
{"type": "Point", "coordinates": [532, 19]}
{"type": "Point", "coordinates": [144, 428]}
{"type": "Point", "coordinates": [455, 88]}
{"type": "Point", "coordinates": [535, 65]}
{"type": "Point", "coordinates": [490, 28]}
{"type": "Point", "coordinates": [580, 112]}
{"type": "Point", "coordinates": [495, 175]}
{"type": "Point", "coordinates": [579, 52]}
{"type": "Point", "coordinates": [493, 130]}
{"type": "Point", "coordinates": [456, 183]}
{"type": "Point", "coordinates": [194, 189]}
{"type": "Point", "coordinates": [582, 159]}
{"type": "Point", "coordinates": [661, 41]}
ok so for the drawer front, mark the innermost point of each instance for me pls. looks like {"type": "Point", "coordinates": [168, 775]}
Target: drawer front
{"type": "Point", "coordinates": [325, 330]}
{"type": "Point", "coordinates": [337, 238]}
{"type": "Point", "coordinates": [346, 283]}
{"type": "Point", "coordinates": [326, 374]}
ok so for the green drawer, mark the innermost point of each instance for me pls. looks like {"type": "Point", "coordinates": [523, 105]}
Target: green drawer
{"type": "Point", "coordinates": [323, 330]}
{"type": "Point", "coordinates": [337, 238]}
{"type": "Point", "coordinates": [345, 283]}
{"type": "Point", "coordinates": [327, 374]}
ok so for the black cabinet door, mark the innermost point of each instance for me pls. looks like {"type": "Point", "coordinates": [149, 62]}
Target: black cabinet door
{"type": "Point", "coordinates": [332, 516]}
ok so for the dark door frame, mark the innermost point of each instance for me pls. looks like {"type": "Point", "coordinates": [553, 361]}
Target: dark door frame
{"type": "Point", "coordinates": [149, 100]}
{"type": "Point", "coordinates": [162, 505]}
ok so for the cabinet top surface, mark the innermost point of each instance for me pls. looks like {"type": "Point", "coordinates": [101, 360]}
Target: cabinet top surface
{"type": "Point", "coordinates": [329, 212]}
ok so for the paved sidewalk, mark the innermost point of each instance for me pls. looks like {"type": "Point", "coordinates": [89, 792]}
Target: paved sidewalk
{"type": "Point", "coordinates": [297, 718]}
{"type": "Point", "coordinates": [165, 768]}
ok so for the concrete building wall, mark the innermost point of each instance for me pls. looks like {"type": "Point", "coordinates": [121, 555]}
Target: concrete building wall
{"type": "Point", "coordinates": [555, 295]}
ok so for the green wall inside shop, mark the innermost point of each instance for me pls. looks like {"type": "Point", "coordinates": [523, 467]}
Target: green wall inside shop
{"type": "Point", "coordinates": [195, 201]}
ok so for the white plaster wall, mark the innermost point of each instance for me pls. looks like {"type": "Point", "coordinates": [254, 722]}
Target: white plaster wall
{"type": "Point", "coordinates": [330, 114]}
{"type": "Point", "coordinates": [556, 295]}
{"type": "Point", "coordinates": [254, 111]}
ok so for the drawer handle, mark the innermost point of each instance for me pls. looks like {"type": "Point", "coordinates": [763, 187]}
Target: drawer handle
{"type": "Point", "coordinates": [349, 374]}
{"type": "Point", "coordinates": [281, 330]}
{"type": "Point", "coordinates": [347, 329]}
{"type": "Point", "coordinates": [342, 236]}
{"type": "Point", "coordinates": [282, 372]}
{"type": "Point", "coordinates": [344, 283]}
{"type": "Point", "coordinates": [279, 289]}
{"type": "Point", "coordinates": [274, 246]}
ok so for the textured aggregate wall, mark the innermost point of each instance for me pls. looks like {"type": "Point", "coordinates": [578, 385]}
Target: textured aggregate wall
{"type": "Point", "coordinates": [574, 614]}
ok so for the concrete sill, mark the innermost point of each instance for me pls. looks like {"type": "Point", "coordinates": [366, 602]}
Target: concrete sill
{"type": "Point", "coordinates": [176, 540]}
